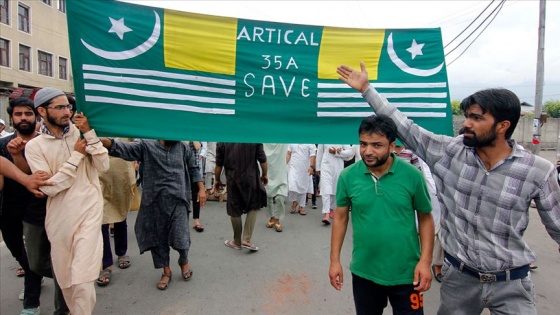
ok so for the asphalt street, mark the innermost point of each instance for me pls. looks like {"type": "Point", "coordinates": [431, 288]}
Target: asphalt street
{"type": "Point", "coordinates": [288, 275]}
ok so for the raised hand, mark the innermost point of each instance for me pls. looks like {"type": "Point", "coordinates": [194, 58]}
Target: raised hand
{"type": "Point", "coordinates": [81, 122]}
{"type": "Point", "coordinates": [355, 79]}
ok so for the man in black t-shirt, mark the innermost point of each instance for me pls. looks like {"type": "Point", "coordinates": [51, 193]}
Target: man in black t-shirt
{"type": "Point", "coordinates": [21, 213]}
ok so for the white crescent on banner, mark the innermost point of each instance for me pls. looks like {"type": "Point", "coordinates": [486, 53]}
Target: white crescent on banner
{"type": "Point", "coordinates": [406, 68]}
{"type": "Point", "coordinates": [131, 53]}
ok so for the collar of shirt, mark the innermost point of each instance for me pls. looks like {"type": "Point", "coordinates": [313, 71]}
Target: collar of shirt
{"type": "Point", "coordinates": [46, 131]}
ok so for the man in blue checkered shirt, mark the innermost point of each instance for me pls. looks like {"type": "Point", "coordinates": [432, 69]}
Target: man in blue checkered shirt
{"type": "Point", "coordinates": [485, 184]}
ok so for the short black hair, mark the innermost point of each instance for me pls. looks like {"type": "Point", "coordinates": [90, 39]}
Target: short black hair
{"type": "Point", "coordinates": [502, 104]}
{"type": "Point", "coordinates": [20, 101]}
{"type": "Point", "coordinates": [379, 124]}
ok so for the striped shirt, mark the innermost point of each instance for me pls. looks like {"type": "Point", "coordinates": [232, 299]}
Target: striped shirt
{"type": "Point", "coordinates": [484, 212]}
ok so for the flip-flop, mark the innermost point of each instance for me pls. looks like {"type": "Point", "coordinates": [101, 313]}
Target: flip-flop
{"type": "Point", "coordinates": [302, 212]}
{"type": "Point", "coordinates": [269, 224]}
{"type": "Point", "coordinates": [326, 221]}
{"type": "Point", "coordinates": [198, 228]}
{"type": "Point", "coordinates": [106, 275]}
{"type": "Point", "coordinates": [250, 246]}
{"type": "Point", "coordinates": [123, 262]}
{"type": "Point", "coordinates": [278, 227]}
{"type": "Point", "coordinates": [231, 244]}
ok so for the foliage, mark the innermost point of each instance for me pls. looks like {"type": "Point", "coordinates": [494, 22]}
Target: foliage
{"type": "Point", "coordinates": [552, 108]}
{"type": "Point", "coordinates": [456, 107]}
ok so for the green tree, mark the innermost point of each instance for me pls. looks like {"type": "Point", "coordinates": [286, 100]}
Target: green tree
{"type": "Point", "coordinates": [456, 107]}
{"type": "Point", "coordinates": [552, 108]}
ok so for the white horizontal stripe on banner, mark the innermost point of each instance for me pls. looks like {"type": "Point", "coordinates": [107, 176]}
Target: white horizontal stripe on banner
{"type": "Point", "coordinates": [386, 95]}
{"type": "Point", "coordinates": [185, 108]}
{"type": "Point", "coordinates": [170, 75]}
{"type": "Point", "coordinates": [132, 80]}
{"type": "Point", "coordinates": [366, 114]}
{"type": "Point", "coordinates": [366, 105]}
{"type": "Point", "coordinates": [387, 85]}
{"type": "Point", "coordinates": [136, 92]}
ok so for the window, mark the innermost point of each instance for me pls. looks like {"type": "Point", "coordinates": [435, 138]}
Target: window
{"type": "Point", "coordinates": [5, 11]}
{"type": "Point", "coordinates": [62, 68]}
{"type": "Point", "coordinates": [24, 58]}
{"type": "Point", "coordinates": [4, 52]}
{"type": "Point", "coordinates": [23, 18]}
{"type": "Point", "coordinates": [47, 2]}
{"type": "Point", "coordinates": [62, 6]}
{"type": "Point", "coordinates": [45, 64]}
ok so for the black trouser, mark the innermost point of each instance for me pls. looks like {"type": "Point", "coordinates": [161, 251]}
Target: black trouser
{"type": "Point", "coordinates": [12, 232]}
{"type": "Point", "coordinates": [371, 298]}
{"type": "Point", "coordinates": [195, 204]}
{"type": "Point", "coordinates": [39, 257]}
{"type": "Point", "coordinates": [121, 242]}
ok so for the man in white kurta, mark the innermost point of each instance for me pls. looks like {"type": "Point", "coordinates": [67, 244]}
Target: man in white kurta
{"type": "Point", "coordinates": [75, 202]}
{"type": "Point", "coordinates": [330, 162]}
{"type": "Point", "coordinates": [301, 164]}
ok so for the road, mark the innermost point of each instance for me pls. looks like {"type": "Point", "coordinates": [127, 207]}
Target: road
{"type": "Point", "coordinates": [288, 275]}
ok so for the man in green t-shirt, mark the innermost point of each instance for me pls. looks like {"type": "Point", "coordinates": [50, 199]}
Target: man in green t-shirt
{"type": "Point", "coordinates": [386, 194]}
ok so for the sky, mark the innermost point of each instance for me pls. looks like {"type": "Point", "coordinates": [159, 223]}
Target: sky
{"type": "Point", "coordinates": [505, 54]}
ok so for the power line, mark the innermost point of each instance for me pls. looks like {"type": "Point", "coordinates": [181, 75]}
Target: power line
{"type": "Point", "coordinates": [479, 25]}
{"type": "Point", "coordinates": [499, 7]}
{"type": "Point", "coordinates": [469, 24]}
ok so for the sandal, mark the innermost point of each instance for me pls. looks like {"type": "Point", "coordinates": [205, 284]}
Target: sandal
{"type": "Point", "coordinates": [278, 227]}
{"type": "Point", "coordinates": [302, 211]}
{"type": "Point", "coordinates": [20, 272]}
{"type": "Point", "coordinates": [198, 228]}
{"type": "Point", "coordinates": [231, 244]}
{"type": "Point", "coordinates": [104, 277]}
{"type": "Point", "coordinates": [163, 284]}
{"type": "Point", "coordinates": [187, 274]}
{"type": "Point", "coordinates": [249, 246]}
{"type": "Point", "coordinates": [123, 262]}
{"type": "Point", "coordinates": [270, 224]}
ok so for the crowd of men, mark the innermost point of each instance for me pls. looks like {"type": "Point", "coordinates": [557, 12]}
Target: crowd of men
{"type": "Point", "coordinates": [471, 193]}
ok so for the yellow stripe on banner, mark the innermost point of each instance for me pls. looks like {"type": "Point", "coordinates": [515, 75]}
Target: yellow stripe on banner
{"type": "Point", "coordinates": [199, 42]}
{"type": "Point", "coordinates": [349, 47]}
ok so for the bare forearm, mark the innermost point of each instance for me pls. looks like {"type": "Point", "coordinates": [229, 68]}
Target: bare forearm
{"type": "Point", "coordinates": [426, 232]}
{"type": "Point", "coordinates": [340, 225]}
{"type": "Point", "coordinates": [21, 163]}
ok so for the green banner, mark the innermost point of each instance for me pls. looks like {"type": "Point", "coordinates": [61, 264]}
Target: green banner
{"type": "Point", "coordinates": [156, 73]}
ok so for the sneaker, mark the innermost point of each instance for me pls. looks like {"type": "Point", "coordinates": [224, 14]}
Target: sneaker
{"type": "Point", "coordinates": [313, 206]}
{"type": "Point", "coordinates": [31, 311]}
{"type": "Point", "coordinates": [21, 294]}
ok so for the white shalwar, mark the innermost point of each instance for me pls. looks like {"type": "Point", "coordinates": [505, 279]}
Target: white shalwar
{"type": "Point", "coordinates": [330, 166]}
{"type": "Point", "coordinates": [298, 171]}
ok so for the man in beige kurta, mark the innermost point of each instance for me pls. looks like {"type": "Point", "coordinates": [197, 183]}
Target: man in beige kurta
{"type": "Point", "coordinates": [75, 202]}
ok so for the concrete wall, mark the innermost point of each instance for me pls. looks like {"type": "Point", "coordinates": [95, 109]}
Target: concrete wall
{"type": "Point", "coordinates": [523, 133]}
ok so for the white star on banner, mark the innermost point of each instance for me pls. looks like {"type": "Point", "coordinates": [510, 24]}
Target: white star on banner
{"type": "Point", "coordinates": [415, 49]}
{"type": "Point", "coordinates": [118, 27]}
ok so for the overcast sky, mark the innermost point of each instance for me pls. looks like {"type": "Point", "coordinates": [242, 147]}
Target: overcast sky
{"type": "Point", "coordinates": [505, 55]}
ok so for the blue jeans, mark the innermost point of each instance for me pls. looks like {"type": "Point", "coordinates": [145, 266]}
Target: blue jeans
{"type": "Point", "coordinates": [463, 294]}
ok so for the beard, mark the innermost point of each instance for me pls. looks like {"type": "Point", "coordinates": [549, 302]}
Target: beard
{"type": "Point", "coordinates": [379, 161]}
{"type": "Point", "coordinates": [484, 140]}
{"type": "Point", "coordinates": [26, 130]}
{"type": "Point", "coordinates": [53, 121]}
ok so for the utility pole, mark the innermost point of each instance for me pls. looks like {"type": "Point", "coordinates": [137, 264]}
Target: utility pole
{"type": "Point", "coordinates": [539, 119]}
